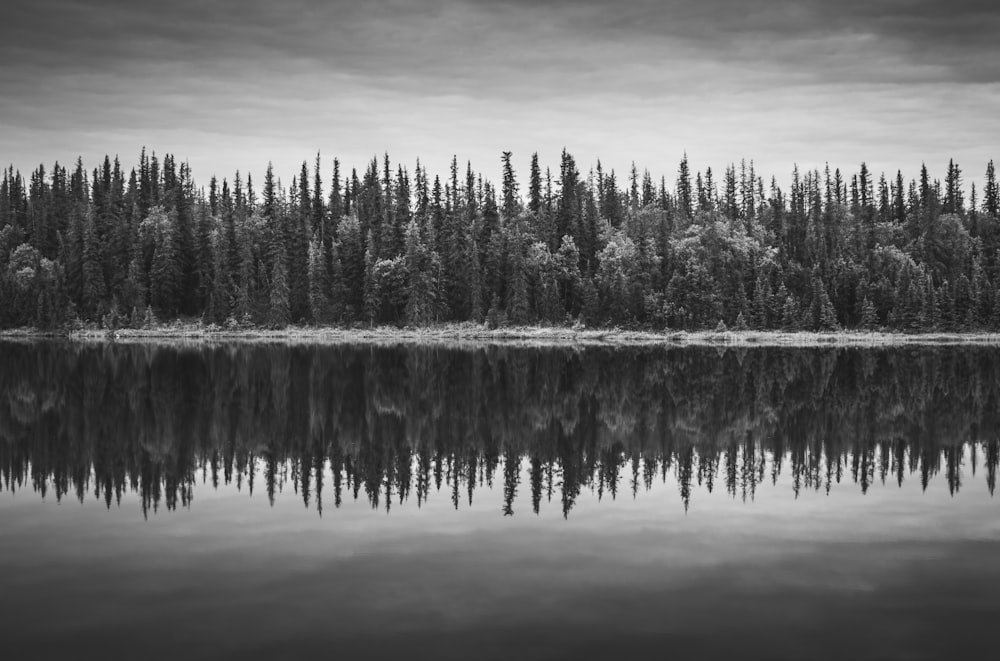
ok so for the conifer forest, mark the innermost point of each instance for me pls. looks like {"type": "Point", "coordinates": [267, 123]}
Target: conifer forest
{"type": "Point", "coordinates": [121, 246]}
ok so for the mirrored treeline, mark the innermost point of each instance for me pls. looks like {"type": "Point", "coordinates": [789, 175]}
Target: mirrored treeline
{"type": "Point", "coordinates": [395, 425]}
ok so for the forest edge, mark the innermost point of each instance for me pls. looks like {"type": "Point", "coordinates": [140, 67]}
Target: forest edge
{"type": "Point", "coordinates": [483, 334]}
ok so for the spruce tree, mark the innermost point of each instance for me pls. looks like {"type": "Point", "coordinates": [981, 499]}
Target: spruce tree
{"type": "Point", "coordinates": [761, 318]}
{"type": "Point", "coordinates": [371, 295]}
{"type": "Point", "coordinates": [320, 307]}
{"type": "Point", "coordinates": [510, 200]}
{"type": "Point", "coordinates": [535, 186]}
{"type": "Point", "coordinates": [925, 187]}
{"type": "Point", "coordinates": [684, 190]}
{"type": "Point", "coordinates": [899, 200]}
{"type": "Point", "coordinates": [297, 246]}
{"type": "Point", "coordinates": [953, 202]}
{"type": "Point", "coordinates": [318, 206]}
{"type": "Point", "coordinates": [516, 305]}
{"type": "Point", "coordinates": [338, 287]}
{"type": "Point", "coordinates": [869, 318]}
{"type": "Point", "coordinates": [336, 198]}
{"type": "Point", "coordinates": [420, 273]}
{"type": "Point", "coordinates": [568, 215]}
{"type": "Point", "coordinates": [220, 300]}
{"type": "Point", "coordinates": [93, 292]}
{"type": "Point", "coordinates": [274, 235]}
{"type": "Point", "coordinates": [822, 315]}
{"type": "Point", "coordinates": [165, 272]}
{"type": "Point", "coordinates": [991, 193]}
{"type": "Point", "coordinates": [279, 309]}
{"type": "Point", "coordinates": [351, 248]}
{"type": "Point", "coordinates": [791, 314]}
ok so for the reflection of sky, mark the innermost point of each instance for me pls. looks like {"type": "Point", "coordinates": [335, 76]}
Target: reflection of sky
{"type": "Point", "coordinates": [896, 570]}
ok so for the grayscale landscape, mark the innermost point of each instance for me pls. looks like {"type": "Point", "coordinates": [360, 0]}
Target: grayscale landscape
{"type": "Point", "coordinates": [469, 329]}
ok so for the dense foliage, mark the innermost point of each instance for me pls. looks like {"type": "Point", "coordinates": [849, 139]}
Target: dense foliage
{"type": "Point", "coordinates": [391, 424]}
{"type": "Point", "coordinates": [118, 249]}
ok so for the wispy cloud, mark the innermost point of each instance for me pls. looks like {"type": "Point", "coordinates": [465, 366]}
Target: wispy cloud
{"type": "Point", "coordinates": [233, 84]}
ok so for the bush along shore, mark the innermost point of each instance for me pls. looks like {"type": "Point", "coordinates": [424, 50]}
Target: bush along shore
{"type": "Point", "coordinates": [473, 333]}
{"type": "Point", "coordinates": [389, 246]}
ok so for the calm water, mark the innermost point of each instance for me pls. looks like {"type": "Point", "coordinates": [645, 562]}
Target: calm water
{"type": "Point", "coordinates": [359, 502]}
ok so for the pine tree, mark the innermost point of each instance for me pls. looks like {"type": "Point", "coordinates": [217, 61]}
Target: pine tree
{"type": "Point", "coordinates": [869, 317]}
{"type": "Point", "coordinates": [371, 298]}
{"type": "Point", "coordinates": [336, 198]}
{"type": "Point", "coordinates": [884, 210]}
{"type": "Point", "coordinates": [822, 315]}
{"type": "Point", "coordinates": [535, 187]}
{"type": "Point", "coordinates": [165, 272]}
{"type": "Point", "coordinates": [791, 314]}
{"type": "Point", "coordinates": [684, 200]}
{"type": "Point", "coordinates": [420, 271]}
{"type": "Point", "coordinates": [137, 292]}
{"type": "Point", "coordinates": [339, 294]}
{"type": "Point", "coordinates": [149, 320]}
{"type": "Point", "coordinates": [516, 306]}
{"type": "Point", "coordinates": [589, 304]}
{"type": "Point", "coordinates": [93, 293]}
{"type": "Point", "coordinates": [761, 317]}
{"type": "Point", "coordinates": [279, 313]}
{"type": "Point", "coordinates": [510, 200]}
{"type": "Point", "coordinates": [925, 187]}
{"type": "Point", "coordinates": [353, 259]}
{"type": "Point", "coordinates": [568, 216]}
{"type": "Point", "coordinates": [320, 307]}
{"type": "Point", "coordinates": [220, 301]}
{"type": "Point", "coordinates": [318, 206]}
{"type": "Point", "coordinates": [493, 256]}
{"type": "Point", "coordinates": [270, 210]}
{"type": "Point", "coordinates": [731, 206]}
{"type": "Point", "coordinates": [297, 246]}
{"type": "Point", "coordinates": [991, 193]}
{"type": "Point", "coordinates": [570, 278]}
{"type": "Point", "coordinates": [898, 200]}
{"type": "Point", "coordinates": [953, 202]}
{"type": "Point", "coordinates": [633, 197]}
{"type": "Point", "coordinates": [649, 194]}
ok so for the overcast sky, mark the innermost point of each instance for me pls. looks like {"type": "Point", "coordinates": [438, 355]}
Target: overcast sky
{"type": "Point", "coordinates": [233, 84]}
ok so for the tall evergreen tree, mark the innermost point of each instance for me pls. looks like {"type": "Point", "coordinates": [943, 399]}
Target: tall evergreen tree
{"type": "Point", "coordinates": [336, 197]}
{"type": "Point", "coordinates": [535, 186]}
{"type": "Point", "coordinates": [510, 199]}
{"type": "Point", "coordinates": [991, 193]}
{"type": "Point", "coordinates": [279, 309]}
{"type": "Point", "coordinates": [568, 215]}
{"type": "Point", "coordinates": [93, 294]}
{"type": "Point", "coordinates": [320, 305]}
{"type": "Point", "coordinates": [297, 244]}
{"type": "Point", "coordinates": [165, 272]}
{"type": "Point", "coordinates": [319, 211]}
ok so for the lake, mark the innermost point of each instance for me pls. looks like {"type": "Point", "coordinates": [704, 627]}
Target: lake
{"type": "Point", "coordinates": [352, 501]}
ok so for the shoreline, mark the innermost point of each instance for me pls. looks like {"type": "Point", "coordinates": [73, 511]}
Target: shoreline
{"type": "Point", "coordinates": [477, 334]}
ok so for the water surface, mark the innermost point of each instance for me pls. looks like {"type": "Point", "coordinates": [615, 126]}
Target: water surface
{"type": "Point", "coordinates": [244, 501]}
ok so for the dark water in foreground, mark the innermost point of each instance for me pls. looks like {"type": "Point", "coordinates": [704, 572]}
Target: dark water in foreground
{"type": "Point", "coordinates": [359, 502]}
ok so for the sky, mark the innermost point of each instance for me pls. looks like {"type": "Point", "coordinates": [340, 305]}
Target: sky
{"type": "Point", "coordinates": [233, 84]}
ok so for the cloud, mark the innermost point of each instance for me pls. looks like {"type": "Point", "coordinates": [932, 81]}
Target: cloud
{"type": "Point", "coordinates": [779, 80]}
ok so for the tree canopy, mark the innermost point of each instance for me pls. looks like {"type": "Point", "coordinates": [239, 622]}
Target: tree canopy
{"type": "Point", "coordinates": [395, 246]}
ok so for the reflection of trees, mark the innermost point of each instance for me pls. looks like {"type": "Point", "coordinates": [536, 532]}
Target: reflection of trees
{"type": "Point", "coordinates": [391, 424]}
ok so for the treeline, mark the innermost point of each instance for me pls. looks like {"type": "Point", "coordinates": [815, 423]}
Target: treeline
{"type": "Point", "coordinates": [391, 425]}
{"type": "Point", "coordinates": [390, 246]}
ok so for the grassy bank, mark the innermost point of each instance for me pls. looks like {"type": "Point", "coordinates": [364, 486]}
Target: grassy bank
{"type": "Point", "coordinates": [480, 334]}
